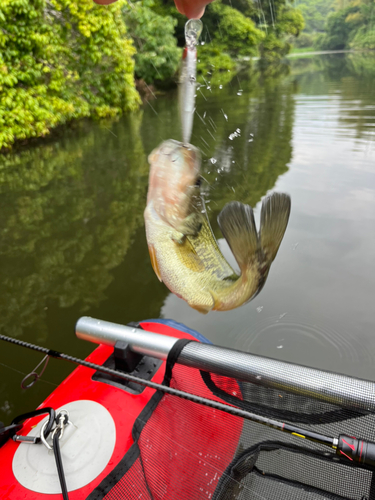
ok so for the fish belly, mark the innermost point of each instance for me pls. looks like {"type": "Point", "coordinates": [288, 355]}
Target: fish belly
{"type": "Point", "coordinates": [176, 264]}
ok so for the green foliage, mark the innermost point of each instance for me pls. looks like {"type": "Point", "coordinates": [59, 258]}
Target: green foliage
{"type": "Point", "coordinates": [157, 56]}
{"type": "Point", "coordinates": [315, 13]}
{"type": "Point", "coordinates": [235, 33]}
{"type": "Point", "coordinates": [238, 28]}
{"type": "Point", "coordinates": [303, 40]}
{"type": "Point", "coordinates": [61, 60]}
{"type": "Point", "coordinates": [350, 27]}
{"type": "Point", "coordinates": [281, 20]}
{"type": "Point", "coordinates": [364, 39]}
{"type": "Point", "coordinates": [337, 31]}
{"type": "Point", "coordinates": [216, 63]}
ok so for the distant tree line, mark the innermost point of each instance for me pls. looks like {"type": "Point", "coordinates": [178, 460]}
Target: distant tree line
{"type": "Point", "coordinates": [337, 24]}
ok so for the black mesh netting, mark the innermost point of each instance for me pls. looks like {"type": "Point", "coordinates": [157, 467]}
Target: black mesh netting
{"type": "Point", "coordinates": [184, 450]}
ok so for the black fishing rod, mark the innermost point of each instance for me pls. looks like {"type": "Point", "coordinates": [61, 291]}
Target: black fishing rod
{"type": "Point", "coordinates": [353, 449]}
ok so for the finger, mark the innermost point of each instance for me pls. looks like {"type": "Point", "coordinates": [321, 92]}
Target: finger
{"type": "Point", "coordinates": [191, 9]}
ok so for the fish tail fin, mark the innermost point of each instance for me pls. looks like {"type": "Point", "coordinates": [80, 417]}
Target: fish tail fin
{"type": "Point", "coordinates": [237, 224]}
{"type": "Point", "coordinates": [274, 219]}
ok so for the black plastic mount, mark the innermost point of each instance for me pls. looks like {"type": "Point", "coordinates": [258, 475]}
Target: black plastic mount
{"type": "Point", "coordinates": [125, 360]}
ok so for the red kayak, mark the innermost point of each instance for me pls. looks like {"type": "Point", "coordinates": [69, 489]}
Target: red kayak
{"type": "Point", "coordinates": [103, 413]}
{"type": "Point", "coordinates": [156, 412]}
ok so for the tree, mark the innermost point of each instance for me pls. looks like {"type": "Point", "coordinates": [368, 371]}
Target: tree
{"type": "Point", "coordinates": [279, 20]}
{"type": "Point", "coordinates": [157, 56]}
{"type": "Point", "coordinates": [315, 13]}
{"type": "Point", "coordinates": [61, 60]}
{"type": "Point", "coordinates": [351, 26]}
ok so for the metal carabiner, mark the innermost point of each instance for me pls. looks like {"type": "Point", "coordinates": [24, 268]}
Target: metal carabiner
{"type": "Point", "coordinates": [36, 376]}
{"type": "Point", "coordinates": [46, 427]}
{"type": "Point", "coordinates": [63, 421]}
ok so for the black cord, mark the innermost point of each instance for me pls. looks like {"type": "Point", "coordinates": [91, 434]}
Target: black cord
{"type": "Point", "coordinates": [291, 429]}
{"type": "Point", "coordinates": [59, 465]}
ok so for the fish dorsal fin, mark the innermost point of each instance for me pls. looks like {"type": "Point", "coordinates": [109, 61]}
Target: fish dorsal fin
{"type": "Point", "coordinates": [274, 219]}
{"type": "Point", "coordinates": [237, 224]}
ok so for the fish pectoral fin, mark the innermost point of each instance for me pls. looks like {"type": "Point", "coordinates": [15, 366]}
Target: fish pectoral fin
{"type": "Point", "coordinates": [274, 219]}
{"type": "Point", "coordinates": [237, 224]}
{"type": "Point", "coordinates": [189, 257]}
{"type": "Point", "coordinates": [178, 237]}
{"type": "Point", "coordinates": [154, 261]}
{"type": "Point", "coordinates": [191, 225]}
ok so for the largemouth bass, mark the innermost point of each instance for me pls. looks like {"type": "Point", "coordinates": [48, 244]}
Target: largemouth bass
{"type": "Point", "coordinates": [183, 249]}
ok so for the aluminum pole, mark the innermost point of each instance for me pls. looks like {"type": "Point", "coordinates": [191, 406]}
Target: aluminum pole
{"type": "Point", "coordinates": [296, 379]}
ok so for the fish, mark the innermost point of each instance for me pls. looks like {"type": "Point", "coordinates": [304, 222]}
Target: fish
{"type": "Point", "coordinates": [183, 250]}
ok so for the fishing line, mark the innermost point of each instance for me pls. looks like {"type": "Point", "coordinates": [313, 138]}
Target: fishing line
{"type": "Point", "coordinates": [169, 390]}
{"type": "Point", "coordinates": [23, 373]}
{"type": "Point", "coordinates": [352, 448]}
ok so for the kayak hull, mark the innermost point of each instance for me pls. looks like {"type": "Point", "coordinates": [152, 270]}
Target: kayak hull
{"type": "Point", "coordinates": [124, 407]}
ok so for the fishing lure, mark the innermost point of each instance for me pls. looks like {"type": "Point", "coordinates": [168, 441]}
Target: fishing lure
{"type": "Point", "coordinates": [187, 83]}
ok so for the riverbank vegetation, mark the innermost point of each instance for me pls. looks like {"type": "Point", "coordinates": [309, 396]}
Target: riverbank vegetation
{"type": "Point", "coordinates": [67, 59]}
{"type": "Point", "coordinates": [337, 24]}
{"type": "Point", "coordinates": [61, 60]}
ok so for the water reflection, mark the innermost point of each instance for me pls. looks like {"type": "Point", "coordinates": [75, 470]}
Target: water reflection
{"type": "Point", "coordinates": [316, 308]}
{"type": "Point", "coordinates": [68, 214]}
{"type": "Point", "coordinates": [72, 237]}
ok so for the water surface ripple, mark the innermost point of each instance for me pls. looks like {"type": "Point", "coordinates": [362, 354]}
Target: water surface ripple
{"type": "Point", "coordinates": [72, 236]}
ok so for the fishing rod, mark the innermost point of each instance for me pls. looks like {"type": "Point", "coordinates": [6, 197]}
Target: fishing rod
{"type": "Point", "coordinates": [353, 449]}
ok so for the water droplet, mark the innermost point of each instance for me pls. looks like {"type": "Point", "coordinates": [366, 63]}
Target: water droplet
{"type": "Point", "coordinates": [258, 377]}
{"type": "Point", "coordinates": [260, 309]}
{"type": "Point", "coordinates": [282, 315]}
{"type": "Point", "coordinates": [213, 160]}
{"type": "Point", "coordinates": [280, 346]}
{"type": "Point", "coordinates": [239, 92]}
{"type": "Point", "coordinates": [236, 133]}
{"type": "Point", "coordinates": [220, 87]}
{"type": "Point", "coordinates": [225, 116]}
{"type": "Point", "coordinates": [202, 43]}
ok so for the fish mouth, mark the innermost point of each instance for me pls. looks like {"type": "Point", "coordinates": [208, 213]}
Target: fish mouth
{"type": "Point", "coordinates": [180, 152]}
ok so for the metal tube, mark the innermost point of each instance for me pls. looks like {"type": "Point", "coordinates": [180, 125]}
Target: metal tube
{"type": "Point", "coordinates": [325, 386]}
{"type": "Point", "coordinates": [142, 342]}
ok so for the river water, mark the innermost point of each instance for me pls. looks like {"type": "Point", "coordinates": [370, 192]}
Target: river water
{"type": "Point", "coordinates": [72, 233]}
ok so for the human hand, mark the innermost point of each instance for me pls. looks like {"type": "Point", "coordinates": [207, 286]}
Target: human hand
{"type": "Point", "coordinates": [193, 9]}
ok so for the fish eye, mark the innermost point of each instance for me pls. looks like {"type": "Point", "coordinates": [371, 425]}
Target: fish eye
{"type": "Point", "coordinates": [198, 182]}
